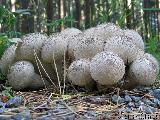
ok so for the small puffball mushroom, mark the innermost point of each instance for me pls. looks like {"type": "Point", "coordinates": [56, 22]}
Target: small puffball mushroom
{"type": "Point", "coordinates": [70, 32]}
{"type": "Point", "coordinates": [143, 71]}
{"type": "Point", "coordinates": [107, 68]}
{"type": "Point", "coordinates": [122, 46]}
{"type": "Point", "coordinates": [31, 42]}
{"type": "Point", "coordinates": [88, 46]}
{"type": "Point", "coordinates": [110, 29]}
{"type": "Point", "coordinates": [19, 75]}
{"type": "Point", "coordinates": [135, 37]}
{"type": "Point", "coordinates": [7, 59]}
{"type": "Point", "coordinates": [79, 73]}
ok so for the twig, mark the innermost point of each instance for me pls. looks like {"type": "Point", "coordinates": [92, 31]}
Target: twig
{"type": "Point", "coordinates": [64, 76]}
{"type": "Point", "coordinates": [59, 83]}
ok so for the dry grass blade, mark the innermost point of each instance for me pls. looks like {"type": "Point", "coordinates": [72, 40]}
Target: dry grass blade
{"type": "Point", "coordinates": [64, 76]}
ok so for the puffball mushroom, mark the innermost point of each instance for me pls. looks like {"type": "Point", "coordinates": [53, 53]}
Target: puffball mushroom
{"type": "Point", "coordinates": [79, 72]}
{"type": "Point", "coordinates": [31, 42]}
{"type": "Point", "coordinates": [107, 68]}
{"type": "Point", "coordinates": [123, 46]}
{"type": "Point", "coordinates": [143, 71]}
{"type": "Point", "coordinates": [88, 46]}
{"type": "Point", "coordinates": [19, 75]}
{"type": "Point", "coordinates": [7, 59]}
{"type": "Point", "coordinates": [135, 37]}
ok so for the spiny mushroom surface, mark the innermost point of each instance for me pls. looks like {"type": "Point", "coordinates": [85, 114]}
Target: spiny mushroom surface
{"type": "Point", "coordinates": [135, 37]}
{"type": "Point", "coordinates": [110, 29]}
{"type": "Point", "coordinates": [143, 71]}
{"type": "Point", "coordinates": [70, 32]}
{"type": "Point", "coordinates": [79, 73]}
{"type": "Point", "coordinates": [31, 42]}
{"type": "Point", "coordinates": [122, 46]}
{"type": "Point", "coordinates": [8, 59]}
{"type": "Point", "coordinates": [19, 75]}
{"type": "Point", "coordinates": [55, 48]}
{"type": "Point", "coordinates": [107, 68]}
{"type": "Point", "coordinates": [88, 46]}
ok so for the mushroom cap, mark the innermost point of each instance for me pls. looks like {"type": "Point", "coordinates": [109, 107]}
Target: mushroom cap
{"type": "Point", "coordinates": [143, 71]}
{"type": "Point", "coordinates": [29, 43]}
{"type": "Point", "coordinates": [88, 46]}
{"type": "Point", "coordinates": [8, 59]}
{"type": "Point", "coordinates": [20, 73]}
{"type": "Point", "coordinates": [107, 68]}
{"type": "Point", "coordinates": [79, 72]}
{"type": "Point", "coordinates": [135, 37]}
{"type": "Point", "coordinates": [68, 32]}
{"type": "Point", "coordinates": [122, 46]}
{"type": "Point", "coordinates": [54, 48]}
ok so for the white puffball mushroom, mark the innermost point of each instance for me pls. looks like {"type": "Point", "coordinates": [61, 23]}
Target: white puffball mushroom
{"type": "Point", "coordinates": [143, 71]}
{"type": "Point", "coordinates": [88, 46]}
{"type": "Point", "coordinates": [19, 75]}
{"type": "Point", "coordinates": [135, 37]}
{"type": "Point", "coordinates": [107, 68]}
{"type": "Point", "coordinates": [7, 59]}
{"type": "Point", "coordinates": [31, 42]}
{"type": "Point", "coordinates": [79, 73]}
{"type": "Point", "coordinates": [122, 46]}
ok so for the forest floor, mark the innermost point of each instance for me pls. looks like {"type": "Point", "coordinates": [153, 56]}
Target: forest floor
{"type": "Point", "coordinates": [116, 104]}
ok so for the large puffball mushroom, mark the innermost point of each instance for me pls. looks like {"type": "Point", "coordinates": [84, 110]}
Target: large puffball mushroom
{"type": "Point", "coordinates": [7, 59]}
{"type": "Point", "coordinates": [143, 71]}
{"type": "Point", "coordinates": [107, 68]}
{"type": "Point", "coordinates": [88, 46]}
{"type": "Point", "coordinates": [123, 46]}
{"type": "Point", "coordinates": [31, 42]}
{"type": "Point", "coordinates": [19, 75]}
{"type": "Point", "coordinates": [79, 73]}
{"type": "Point", "coordinates": [135, 37]}
{"type": "Point", "coordinates": [110, 29]}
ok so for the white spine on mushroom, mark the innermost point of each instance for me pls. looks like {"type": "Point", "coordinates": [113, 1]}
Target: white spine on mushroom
{"type": "Point", "coordinates": [79, 72]}
{"type": "Point", "coordinates": [7, 59]}
{"type": "Point", "coordinates": [135, 37]}
{"type": "Point", "coordinates": [19, 75]}
{"type": "Point", "coordinates": [122, 46]}
{"type": "Point", "coordinates": [143, 71]}
{"type": "Point", "coordinates": [107, 68]}
{"type": "Point", "coordinates": [29, 43]}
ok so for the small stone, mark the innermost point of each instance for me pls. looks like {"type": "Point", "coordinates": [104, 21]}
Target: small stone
{"type": "Point", "coordinates": [156, 93]}
{"type": "Point", "coordinates": [135, 98]}
{"type": "Point", "coordinates": [127, 98]}
{"type": "Point", "coordinates": [137, 104]}
{"type": "Point", "coordinates": [148, 110]}
{"type": "Point", "coordinates": [118, 99]}
{"type": "Point", "coordinates": [130, 104]}
{"type": "Point", "coordinates": [24, 115]}
{"type": "Point", "coordinates": [2, 104]}
{"type": "Point", "coordinates": [148, 102]}
{"type": "Point", "coordinates": [14, 102]}
{"type": "Point", "coordinates": [156, 101]}
{"type": "Point", "coordinates": [2, 110]}
{"type": "Point", "coordinates": [128, 110]}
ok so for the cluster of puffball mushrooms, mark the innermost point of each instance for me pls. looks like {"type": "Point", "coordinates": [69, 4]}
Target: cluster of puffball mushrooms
{"type": "Point", "coordinates": [105, 55]}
